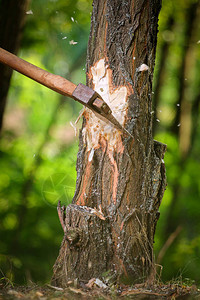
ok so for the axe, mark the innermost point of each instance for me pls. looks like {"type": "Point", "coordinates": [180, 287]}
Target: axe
{"type": "Point", "coordinates": [81, 93]}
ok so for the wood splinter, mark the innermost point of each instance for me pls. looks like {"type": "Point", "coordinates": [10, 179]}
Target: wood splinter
{"type": "Point", "coordinates": [61, 215]}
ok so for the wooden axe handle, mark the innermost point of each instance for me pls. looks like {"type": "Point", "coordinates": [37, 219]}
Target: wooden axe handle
{"type": "Point", "coordinates": [80, 93]}
{"type": "Point", "coordinates": [54, 82]}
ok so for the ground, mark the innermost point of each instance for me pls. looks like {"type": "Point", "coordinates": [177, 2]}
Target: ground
{"type": "Point", "coordinates": [96, 289]}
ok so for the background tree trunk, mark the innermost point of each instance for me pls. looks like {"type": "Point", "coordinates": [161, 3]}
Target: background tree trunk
{"type": "Point", "coordinates": [120, 181]}
{"type": "Point", "coordinates": [12, 17]}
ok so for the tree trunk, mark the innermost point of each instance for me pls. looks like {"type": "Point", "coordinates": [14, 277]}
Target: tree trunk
{"type": "Point", "coordinates": [12, 17]}
{"type": "Point", "coordinates": [120, 181]}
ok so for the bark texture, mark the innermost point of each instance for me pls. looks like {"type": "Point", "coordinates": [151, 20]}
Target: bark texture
{"type": "Point", "coordinates": [12, 17]}
{"type": "Point", "coordinates": [120, 178]}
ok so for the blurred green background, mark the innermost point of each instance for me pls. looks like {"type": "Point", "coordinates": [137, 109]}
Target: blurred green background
{"type": "Point", "coordinates": [38, 146]}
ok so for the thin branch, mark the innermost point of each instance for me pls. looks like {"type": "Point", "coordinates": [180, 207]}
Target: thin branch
{"type": "Point", "coordinates": [167, 244]}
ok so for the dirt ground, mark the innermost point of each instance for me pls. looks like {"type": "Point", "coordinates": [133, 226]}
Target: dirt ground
{"type": "Point", "coordinates": [96, 289]}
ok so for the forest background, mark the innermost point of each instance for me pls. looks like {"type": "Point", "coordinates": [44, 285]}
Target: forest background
{"type": "Point", "coordinates": [38, 145]}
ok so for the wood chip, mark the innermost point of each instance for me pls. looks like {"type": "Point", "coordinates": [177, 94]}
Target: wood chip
{"type": "Point", "coordinates": [90, 283]}
{"type": "Point", "coordinates": [76, 291]}
{"type": "Point", "coordinates": [55, 287]}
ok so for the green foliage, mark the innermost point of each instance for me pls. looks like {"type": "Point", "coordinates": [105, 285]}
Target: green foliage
{"type": "Point", "coordinates": [180, 205]}
{"type": "Point", "coordinates": [38, 146]}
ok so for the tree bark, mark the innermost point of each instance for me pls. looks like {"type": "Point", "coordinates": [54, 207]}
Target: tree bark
{"type": "Point", "coordinates": [120, 181]}
{"type": "Point", "coordinates": [12, 17]}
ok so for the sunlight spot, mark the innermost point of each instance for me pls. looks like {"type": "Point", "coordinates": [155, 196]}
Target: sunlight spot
{"type": "Point", "coordinates": [72, 42]}
{"type": "Point", "coordinates": [29, 12]}
{"type": "Point", "coordinates": [168, 36]}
